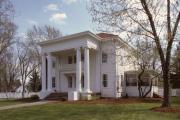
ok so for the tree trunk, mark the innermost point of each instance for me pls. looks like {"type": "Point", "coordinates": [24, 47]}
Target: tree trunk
{"type": "Point", "coordinates": [23, 90]}
{"type": "Point", "coordinates": [167, 89]}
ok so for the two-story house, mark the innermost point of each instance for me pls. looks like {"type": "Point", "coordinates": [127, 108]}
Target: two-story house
{"type": "Point", "coordinates": [86, 64]}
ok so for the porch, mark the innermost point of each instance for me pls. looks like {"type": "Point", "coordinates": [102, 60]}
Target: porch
{"type": "Point", "coordinates": [68, 63]}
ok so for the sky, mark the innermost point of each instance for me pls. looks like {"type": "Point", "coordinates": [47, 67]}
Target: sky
{"type": "Point", "coordinates": [69, 16]}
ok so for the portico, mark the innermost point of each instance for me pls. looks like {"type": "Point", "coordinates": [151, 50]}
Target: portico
{"type": "Point", "coordinates": [80, 53]}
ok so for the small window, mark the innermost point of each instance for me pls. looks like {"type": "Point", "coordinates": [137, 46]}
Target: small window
{"type": "Point", "coordinates": [69, 81]}
{"type": "Point", "coordinates": [82, 81]}
{"type": "Point", "coordinates": [53, 82]}
{"type": "Point", "coordinates": [104, 57]}
{"type": "Point", "coordinates": [105, 80]}
{"type": "Point", "coordinates": [70, 60]}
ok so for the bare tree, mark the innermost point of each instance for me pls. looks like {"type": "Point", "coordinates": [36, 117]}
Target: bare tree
{"type": "Point", "coordinates": [9, 72]}
{"type": "Point", "coordinates": [26, 63]}
{"type": "Point", "coordinates": [147, 62]}
{"type": "Point", "coordinates": [28, 51]}
{"type": "Point", "coordinates": [41, 33]}
{"type": "Point", "coordinates": [7, 27]}
{"type": "Point", "coordinates": [155, 19]}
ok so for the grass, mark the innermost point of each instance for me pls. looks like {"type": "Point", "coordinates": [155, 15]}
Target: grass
{"type": "Point", "coordinates": [61, 111]}
{"type": "Point", "coordinates": [8, 102]}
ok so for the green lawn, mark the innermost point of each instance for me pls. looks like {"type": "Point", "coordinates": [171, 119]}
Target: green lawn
{"type": "Point", "coordinates": [60, 111]}
{"type": "Point", "coordinates": [8, 102]}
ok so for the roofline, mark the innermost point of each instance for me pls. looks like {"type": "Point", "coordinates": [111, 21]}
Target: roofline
{"type": "Point", "coordinates": [69, 37]}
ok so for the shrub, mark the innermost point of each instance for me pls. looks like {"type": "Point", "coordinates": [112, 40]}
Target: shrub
{"type": "Point", "coordinates": [34, 97]}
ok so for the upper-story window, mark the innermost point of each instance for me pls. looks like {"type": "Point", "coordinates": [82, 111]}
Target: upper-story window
{"type": "Point", "coordinates": [104, 57]}
{"type": "Point", "coordinates": [105, 80]}
{"type": "Point", "coordinates": [70, 59]}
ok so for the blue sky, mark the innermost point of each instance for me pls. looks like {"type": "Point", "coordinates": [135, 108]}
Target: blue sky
{"type": "Point", "coordinates": [69, 16]}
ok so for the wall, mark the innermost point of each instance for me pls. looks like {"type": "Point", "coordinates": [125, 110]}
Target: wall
{"type": "Point", "coordinates": [132, 91]}
{"type": "Point", "coordinates": [123, 64]}
{"type": "Point", "coordinates": [108, 68]}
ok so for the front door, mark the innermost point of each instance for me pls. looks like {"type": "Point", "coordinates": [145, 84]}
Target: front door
{"type": "Point", "coordinates": [71, 82]}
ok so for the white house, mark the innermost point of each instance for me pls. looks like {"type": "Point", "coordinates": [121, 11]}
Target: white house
{"type": "Point", "coordinates": [84, 63]}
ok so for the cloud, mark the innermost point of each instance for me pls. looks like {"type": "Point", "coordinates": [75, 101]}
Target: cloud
{"type": "Point", "coordinates": [51, 7]}
{"type": "Point", "coordinates": [58, 18]}
{"type": "Point", "coordinates": [70, 1]}
{"type": "Point", "coordinates": [32, 22]}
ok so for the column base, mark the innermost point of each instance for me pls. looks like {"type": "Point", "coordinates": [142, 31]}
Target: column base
{"type": "Point", "coordinates": [87, 95]}
{"type": "Point", "coordinates": [73, 96]}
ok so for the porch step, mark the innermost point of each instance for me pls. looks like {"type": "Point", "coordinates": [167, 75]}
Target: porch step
{"type": "Point", "coordinates": [57, 96]}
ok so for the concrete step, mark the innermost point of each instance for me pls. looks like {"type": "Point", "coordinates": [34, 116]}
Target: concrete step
{"type": "Point", "coordinates": [57, 96]}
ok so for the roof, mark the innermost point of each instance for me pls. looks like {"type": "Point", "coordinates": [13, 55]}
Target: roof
{"type": "Point", "coordinates": [99, 36]}
{"type": "Point", "coordinates": [106, 36]}
{"type": "Point", "coordinates": [70, 36]}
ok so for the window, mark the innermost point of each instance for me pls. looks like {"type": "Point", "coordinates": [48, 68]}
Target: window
{"type": "Point", "coordinates": [53, 82]}
{"type": "Point", "coordinates": [131, 82]}
{"type": "Point", "coordinates": [145, 81]}
{"type": "Point", "coordinates": [105, 80]}
{"type": "Point", "coordinates": [104, 57]}
{"type": "Point", "coordinates": [122, 80]}
{"type": "Point", "coordinates": [69, 81]}
{"type": "Point", "coordinates": [82, 81]}
{"type": "Point", "coordinates": [70, 60]}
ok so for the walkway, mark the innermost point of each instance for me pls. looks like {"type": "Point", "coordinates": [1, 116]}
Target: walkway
{"type": "Point", "coordinates": [23, 105]}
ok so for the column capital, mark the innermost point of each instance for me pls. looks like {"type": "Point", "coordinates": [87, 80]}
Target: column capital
{"type": "Point", "coordinates": [86, 47]}
{"type": "Point", "coordinates": [78, 48]}
{"type": "Point", "coordinates": [49, 55]}
{"type": "Point", "coordinates": [43, 54]}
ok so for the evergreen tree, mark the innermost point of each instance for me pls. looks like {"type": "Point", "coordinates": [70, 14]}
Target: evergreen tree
{"type": "Point", "coordinates": [34, 83]}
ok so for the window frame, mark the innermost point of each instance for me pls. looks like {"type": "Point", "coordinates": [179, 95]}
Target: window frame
{"type": "Point", "coordinates": [53, 82]}
{"type": "Point", "coordinates": [70, 82]}
{"type": "Point", "coordinates": [104, 57]}
{"type": "Point", "coordinates": [82, 80]}
{"type": "Point", "coordinates": [105, 80]}
{"type": "Point", "coordinates": [70, 60]}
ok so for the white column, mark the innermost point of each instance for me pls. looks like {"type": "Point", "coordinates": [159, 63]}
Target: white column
{"type": "Point", "coordinates": [43, 73]}
{"type": "Point", "coordinates": [57, 74]}
{"type": "Point", "coordinates": [78, 69]}
{"type": "Point", "coordinates": [86, 70]}
{"type": "Point", "coordinates": [49, 58]}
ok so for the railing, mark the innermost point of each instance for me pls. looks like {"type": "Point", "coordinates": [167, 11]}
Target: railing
{"type": "Point", "coordinates": [70, 67]}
